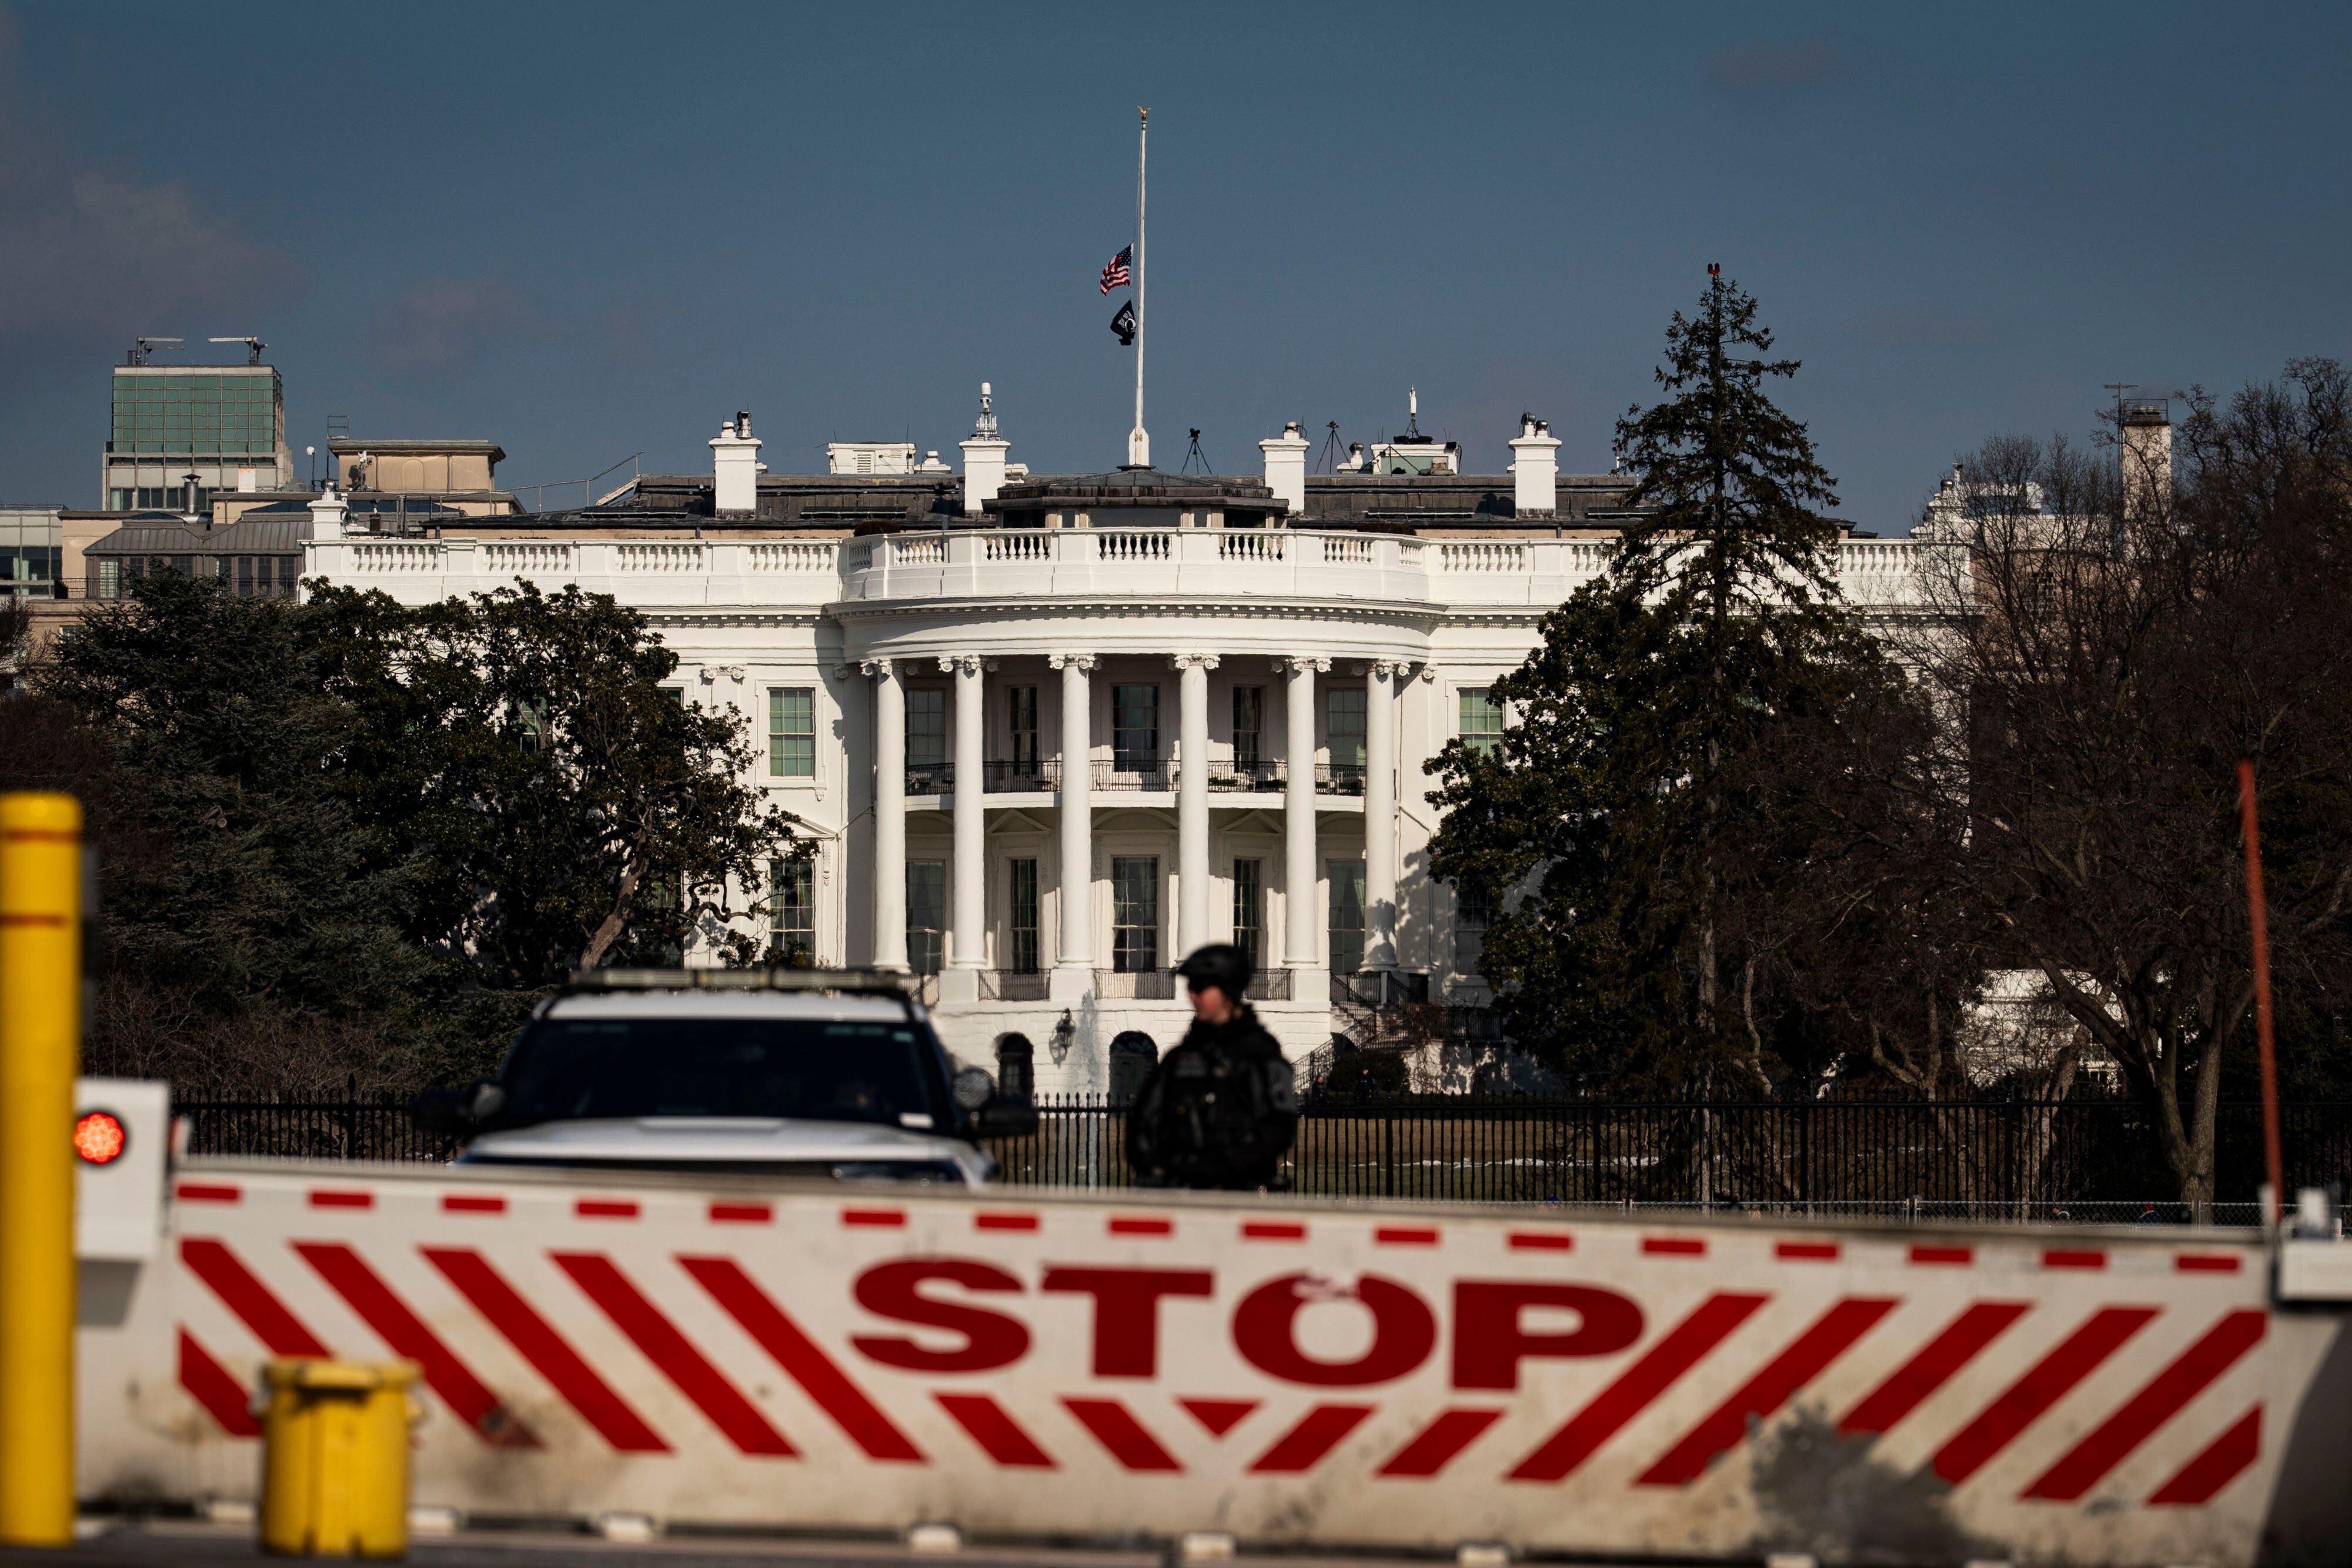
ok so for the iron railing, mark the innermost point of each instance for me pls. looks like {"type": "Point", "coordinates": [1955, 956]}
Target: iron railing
{"type": "Point", "coordinates": [1134, 773]}
{"type": "Point", "coordinates": [1021, 777]}
{"type": "Point", "coordinates": [1135, 985]}
{"type": "Point", "coordinates": [1338, 779]}
{"type": "Point", "coordinates": [1268, 985]}
{"type": "Point", "coordinates": [1014, 984]}
{"type": "Point", "coordinates": [1260, 777]}
{"type": "Point", "coordinates": [2085, 1159]}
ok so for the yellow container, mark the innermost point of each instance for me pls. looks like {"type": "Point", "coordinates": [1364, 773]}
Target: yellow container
{"type": "Point", "coordinates": [335, 1467]}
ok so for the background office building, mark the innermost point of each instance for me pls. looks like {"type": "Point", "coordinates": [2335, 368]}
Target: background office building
{"type": "Point", "coordinates": [215, 427]}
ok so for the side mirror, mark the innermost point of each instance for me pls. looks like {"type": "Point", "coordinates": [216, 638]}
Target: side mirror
{"type": "Point", "coordinates": [453, 1112]}
{"type": "Point", "coordinates": [1005, 1117]}
{"type": "Point", "coordinates": [972, 1088]}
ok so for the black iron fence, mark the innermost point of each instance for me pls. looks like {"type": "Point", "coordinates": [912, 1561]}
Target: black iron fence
{"type": "Point", "coordinates": [2084, 1158]}
{"type": "Point", "coordinates": [343, 1128]}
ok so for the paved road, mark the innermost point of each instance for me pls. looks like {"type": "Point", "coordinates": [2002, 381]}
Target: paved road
{"type": "Point", "coordinates": [161, 1541]}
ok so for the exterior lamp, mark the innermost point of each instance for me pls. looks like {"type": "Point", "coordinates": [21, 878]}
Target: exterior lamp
{"type": "Point", "coordinates": [1064, 1032]}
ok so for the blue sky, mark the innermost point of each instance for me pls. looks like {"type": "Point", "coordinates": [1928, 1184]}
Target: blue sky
{"type": "Point", "coordinates": [584, 230]}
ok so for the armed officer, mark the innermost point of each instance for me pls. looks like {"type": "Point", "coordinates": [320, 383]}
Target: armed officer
{"type": "Point", "coordinates": [1219, 1111]}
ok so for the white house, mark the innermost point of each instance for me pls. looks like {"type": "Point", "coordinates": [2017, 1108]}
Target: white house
{"type": "Point", "coordinates": [1053, 732]}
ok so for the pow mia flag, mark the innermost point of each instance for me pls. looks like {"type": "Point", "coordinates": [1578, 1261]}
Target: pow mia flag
{"type": "Point", "coordinates": [1124, 325]}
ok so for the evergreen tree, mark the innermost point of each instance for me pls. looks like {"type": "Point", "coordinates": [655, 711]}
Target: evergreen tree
{"type": "Point", "coordinates": [1622, 827]}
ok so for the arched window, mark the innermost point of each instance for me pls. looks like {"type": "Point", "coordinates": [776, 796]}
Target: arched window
{"type": "Point", "coordinates": [1016, 1071]}
{"type": "Point", "coordinates": [1132, 1056]}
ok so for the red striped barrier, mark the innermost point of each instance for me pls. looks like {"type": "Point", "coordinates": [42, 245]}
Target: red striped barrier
{"type": "Point", "coordinates": [1286, 1371]}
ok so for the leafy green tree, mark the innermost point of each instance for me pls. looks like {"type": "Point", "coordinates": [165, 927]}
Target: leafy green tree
{"type": "Point", "coordinates": [349, 838]}
{"type": "Point", "coordinates": [240, 895]}
{"type": "Point", "coordinates": [576, 811]}
{"type": "Point", "coordinates": [1623, 824]}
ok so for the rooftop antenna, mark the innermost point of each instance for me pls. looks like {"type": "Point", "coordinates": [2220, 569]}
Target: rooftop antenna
{"type": "Point", "coordinates": [1412, 414]}
{"type": "Point", "coordinates": [253, 347]}
{"type": "Point", "coordinates": [1139, 444]}
{"type": "Point", "coordinates": [1196, 456]}
{"type": "Point", "coordinates": [142, 347]}
{"type": "Point", "coordinates": [1329, 462]}
{"type": "Point", "coordinates": [2119, 388]}
{"type": "Point", "coordinates": [984, 427]}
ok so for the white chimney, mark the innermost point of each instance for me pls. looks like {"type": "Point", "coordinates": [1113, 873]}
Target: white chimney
{"type": "Point", "coordinates": [327, 515]}
{"type": "Point", "coordinates": [2145, 428]}
{"type": "Point", "coordinates": [735, 467]}
{"type": "Point", "coordinates": [1535, 468]}
{"type": "Point", "coordinates": [984, 457]}
{"type": "Point", "coordinates": [1285, 468]}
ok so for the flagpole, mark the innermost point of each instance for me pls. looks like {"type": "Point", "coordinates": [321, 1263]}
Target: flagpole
{"type": "Point", "coordinates": [1139, 444]}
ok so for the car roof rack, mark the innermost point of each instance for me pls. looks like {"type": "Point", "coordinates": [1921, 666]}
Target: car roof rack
{"type": "Point", "coordinates": [838, 982]}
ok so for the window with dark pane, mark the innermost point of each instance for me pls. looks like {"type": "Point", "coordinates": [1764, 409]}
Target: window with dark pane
{"type": "Point", "coordinates": [792, 913]}
{"type": "Point", "coordinates": [1249, 911]}
{"type": "Point", "coordinates": [1025, 955]}
{"type": "Point", "coordinates": [792, 732]}
{"type": "Point", "coordinates": [1134, 914]}
{"type": "Point", "coordinates": [1135, 729]}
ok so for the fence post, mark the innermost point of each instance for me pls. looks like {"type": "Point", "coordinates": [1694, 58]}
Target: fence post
{"type": "Point", "coordinates": [1388, 1153]}
{"type": "Point", "coordinates": [41, 1043]}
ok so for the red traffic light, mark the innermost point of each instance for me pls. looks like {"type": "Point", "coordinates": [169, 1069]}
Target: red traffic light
{"type": "Point", "coordinates": [99, 1138]}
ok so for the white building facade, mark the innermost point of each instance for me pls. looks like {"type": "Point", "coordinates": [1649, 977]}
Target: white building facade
{"type": "Point", "coordinates": [1051, 734]}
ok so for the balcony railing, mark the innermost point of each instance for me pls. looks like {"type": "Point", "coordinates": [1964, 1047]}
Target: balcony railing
{"type": "Point", "coordinates": [1135, 985]}
{"type": "Point", "coordinates": [1338, 779]}
{"type": "Point", "coordinates": [1271, 986]}
{"type": "Point", "coordinates": [1038, 777]}
{"type": "Point", "coordinates": [1246, 776]}
{"type": "Point", "coordinates": [1379, 988]}
{"type": "Point", "coordinates": [1014, 986]}
{"type": "Point", "coordinates": [1134, 773]}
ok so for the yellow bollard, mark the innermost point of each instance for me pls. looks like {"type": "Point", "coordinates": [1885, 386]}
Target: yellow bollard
{"type": "Point", "coordinates": [335, 1467]}
{"type": "Point", "coordinates": [40, 1044]}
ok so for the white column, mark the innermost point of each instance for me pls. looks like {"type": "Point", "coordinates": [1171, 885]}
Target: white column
{"type": "Point", "coordinates": [890, 815]}
{"type": "Point", "coordinates": [1192, 799]}
{"type": "Point", "coordinates": [966, 934]}
{"type": "Point", "coordinates": [1301, 937]}
{"type": "Point", "coordinates": [1379, 814]}
{"type": "Point", "coordinates": [1074, 964]}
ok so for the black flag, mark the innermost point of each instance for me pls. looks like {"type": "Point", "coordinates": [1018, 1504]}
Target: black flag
{"type": "Point", "coordinates": [1124, 325]}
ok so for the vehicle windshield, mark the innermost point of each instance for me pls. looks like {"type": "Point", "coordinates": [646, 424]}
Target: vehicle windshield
{"type": "Point", "coordinates": [578, 1069]}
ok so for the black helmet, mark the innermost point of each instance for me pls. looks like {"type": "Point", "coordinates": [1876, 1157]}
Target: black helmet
{"type": "Point", "coordinates": [1220, 964]}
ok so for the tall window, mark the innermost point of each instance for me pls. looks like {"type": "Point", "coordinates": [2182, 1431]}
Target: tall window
{"type": "Point", "coordinates": [1249, 911]}
{"type": "Point", "coordinates": [1135, 729]}
{"type": "Point", "coordinates": [927, 731]}
{"type": "Point", "coordinates": [1249, 727]}
{"type": "Point", "coordinates": [1347, 916]}
{"type": "Point", "coordinates": [792, 732]}
{"type": "Point", "coordinates": [1482, 720]}
{"type": "Point", "coordinates": [1344, 719]}
{"type": "Point", "coordinates": [1025, 917]}
{"type": "Point", "coordinates": [927, 914]}
{"type": "Point", "coordinates": [1023, 701]}
{"type": "Point", "coordinates": [110, 579]}
{"type": "Point", "coordinates": [1472, 906]}
{"type": "Point", "coordinates": [1134, 913]}
{"type": "Point", "coordinates": [792, 913]}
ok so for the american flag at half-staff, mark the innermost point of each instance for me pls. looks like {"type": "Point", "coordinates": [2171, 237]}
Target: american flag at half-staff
{"type": "Point", "coordinates": [1116, 274]}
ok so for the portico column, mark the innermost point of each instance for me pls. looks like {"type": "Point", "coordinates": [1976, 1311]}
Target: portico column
{"type": "Point", "coordinates": [1073, 963]}
{"type": "Point", "coordinates": [967, 936]}
{"type": "Point", "coordinates": [1379, 814]}
{"type": "Point", "coordinates": [1192, 799]}
{"type": "Point", "coordinates": [1300, 873]}
{"type": "Point", "coordinates": [890, 814]}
